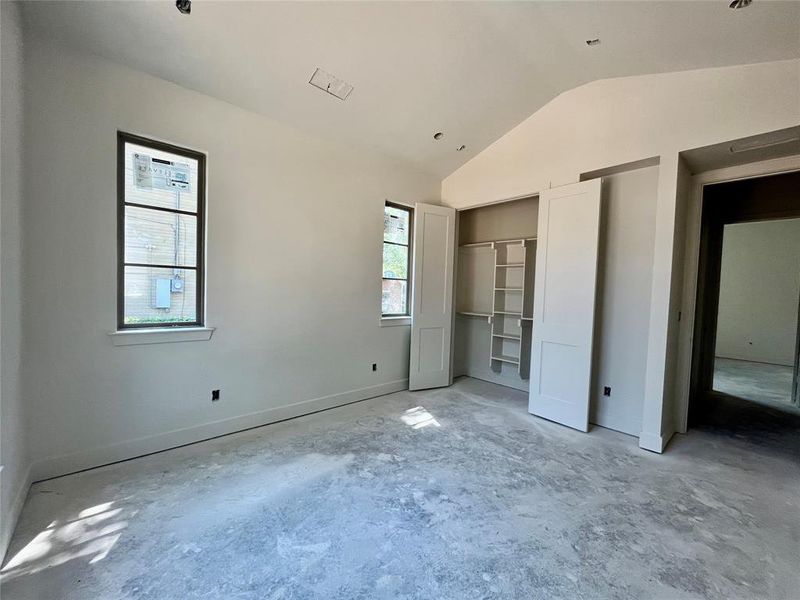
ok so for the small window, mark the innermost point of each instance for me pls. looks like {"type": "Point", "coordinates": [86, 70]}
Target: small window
{"type": "Point", "coordinates": [161, 197]}
{"type": "Point", "coordinates": [396, 260]}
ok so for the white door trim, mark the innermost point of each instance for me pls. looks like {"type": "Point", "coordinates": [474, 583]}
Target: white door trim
{"type": "Point", "coordinates": [692, 257]}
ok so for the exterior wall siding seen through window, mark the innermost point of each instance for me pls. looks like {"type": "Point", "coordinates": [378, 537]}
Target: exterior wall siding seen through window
{"type": "Point", "coordinates": [161, 192]}
{"type": "Point", "coordinates": [397, 222]}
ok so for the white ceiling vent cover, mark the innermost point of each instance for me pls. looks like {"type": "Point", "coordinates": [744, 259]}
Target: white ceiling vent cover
{"type": "Point", "coordinates": [333, 85]}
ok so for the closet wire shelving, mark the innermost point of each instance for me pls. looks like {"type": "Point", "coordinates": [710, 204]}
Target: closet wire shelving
{"type": "Point", "coordinates": [511, 296]}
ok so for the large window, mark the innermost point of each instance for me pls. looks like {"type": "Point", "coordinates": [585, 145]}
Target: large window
{"type": "Point", "coordinates": [396, 256]}
{"type": "Point", "coordinates": [161, 194]}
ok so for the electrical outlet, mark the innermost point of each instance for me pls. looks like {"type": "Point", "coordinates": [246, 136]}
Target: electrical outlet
{"type": "Point", "coordinates": [374, 366]}
{"type": "Point", "coordinates": [607, 390]}
{"type": "Point", "coordinates": [214, 395]}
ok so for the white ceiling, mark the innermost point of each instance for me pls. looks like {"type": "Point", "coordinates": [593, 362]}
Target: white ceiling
{"type": "Point", "coordinates": [473, 70]}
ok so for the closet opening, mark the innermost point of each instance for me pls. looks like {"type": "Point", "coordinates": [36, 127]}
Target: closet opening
{"type": "Point", "coordinates": [495, 268]}
{"type": "Point", "coordinates": [603, 364]}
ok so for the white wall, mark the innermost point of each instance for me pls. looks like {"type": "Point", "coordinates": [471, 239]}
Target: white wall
{"type": "Point", "coordinates": [618, 121]}
{"type": "Point", "coordinates": [294, 263]}
{"type": "Point", "coordinates": [503, 221]}
{"type": "Point", "coordinates": [759, 291]}
{"type": "Point", "coordinates": [624, 278]}
{"type": "Point", "coordinates": [13, 449]}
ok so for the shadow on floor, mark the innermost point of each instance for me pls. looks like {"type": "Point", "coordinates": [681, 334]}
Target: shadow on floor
{"type": "Point", "coordinates": [761, 426]}
{"type": "Point", "coordinates": [761, 382]}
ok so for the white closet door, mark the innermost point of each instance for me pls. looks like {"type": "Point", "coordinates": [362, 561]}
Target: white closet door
{"type": "Point", "coordinates": [432, 296]}
{"type": "Point", "coordinates": [563, 303]}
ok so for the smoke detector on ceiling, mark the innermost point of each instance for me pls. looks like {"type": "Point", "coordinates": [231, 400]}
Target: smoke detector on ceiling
{"type": "Point", "coordinates": [331, 84]}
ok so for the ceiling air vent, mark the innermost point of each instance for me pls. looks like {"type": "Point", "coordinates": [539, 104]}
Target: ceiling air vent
{"type": "Point", "coordinates": [333, 85]}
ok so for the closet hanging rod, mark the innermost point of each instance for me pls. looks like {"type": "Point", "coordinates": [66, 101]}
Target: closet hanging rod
{"type": "Point", "coordinates": [489, 243]}
{"type": "Point", "coordinates": [515, 241]}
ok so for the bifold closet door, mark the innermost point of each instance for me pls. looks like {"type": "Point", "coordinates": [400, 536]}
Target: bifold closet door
{"type": "Point", "coordinates": [432, 296]}
{"type": "Point", "coordinates": [563, 303]}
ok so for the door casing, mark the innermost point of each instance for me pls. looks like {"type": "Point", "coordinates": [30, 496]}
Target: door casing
{"type": "Point", "coordinates": [760, 198]}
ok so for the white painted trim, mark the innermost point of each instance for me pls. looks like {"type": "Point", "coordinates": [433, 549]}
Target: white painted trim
{"type": "Point", "coordinates": [56, 466]}
{"type": "Point", "coordinates": [654, 442]}
{"type": "Point", "coordinates": [132, 337]}
{"type": "Point", "coordinates": [501, 201]}
{"type": "Point", "coordinates": [395, 321]}
{"type": "Point", "coordinates": [691, 259]}
{"type": "Point", "coordinates": [9, 521]}
{"type": "Point", "coordinates": [655, 401]}
{"type": "Point", "coordinates": [750, 359]}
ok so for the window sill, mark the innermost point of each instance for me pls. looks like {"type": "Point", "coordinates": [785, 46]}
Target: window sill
{"type": "Point", "coordinates": [395, 321]}
{"type": "Point", "coordinates": [132, 337]}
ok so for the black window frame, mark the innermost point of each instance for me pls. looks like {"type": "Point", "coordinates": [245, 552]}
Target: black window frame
{"type": "Point", "coordinates": [124, 138]}
{"type": "Point", "coordinates": [407, 279]}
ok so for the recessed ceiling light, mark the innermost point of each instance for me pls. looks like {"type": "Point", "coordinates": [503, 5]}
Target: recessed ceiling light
{"type": "Point", "coordinates": [184, 6]}
{"type": "Point", "coordinates": [740, 4]}
{"type": "Point", "coordinates": [593, 42]}
{"type": "Point", "coordinates": [461, 147]}
{"type": "Point", "coordinates": [438, 135]}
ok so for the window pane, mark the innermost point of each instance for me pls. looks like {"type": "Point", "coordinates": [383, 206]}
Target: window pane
{"type": "Point", "coordinates": [158, 237]}
{"type": "Point", "coordinates": [394, 297]}
{"type": "Point", "coordinates": [395, 225]}
{"type": "Point", "coordinates": [395, 261]}
{"type": "Point", "coordinates": [159, 178]}
{"type": "Point", "coordinates": [160, 296]}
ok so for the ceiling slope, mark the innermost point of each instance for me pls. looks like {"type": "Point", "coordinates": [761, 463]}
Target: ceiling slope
{"type": "Point", "coordinates": [472, 70]}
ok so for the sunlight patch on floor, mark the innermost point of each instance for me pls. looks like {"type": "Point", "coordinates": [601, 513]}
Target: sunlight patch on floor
{"type": "Point", "coordinates": [89, 535]}
{"type": "Point", "coordinates": [418, 417]}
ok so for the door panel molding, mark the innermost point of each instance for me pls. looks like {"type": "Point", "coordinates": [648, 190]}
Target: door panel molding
{"type": "Point", "coordinates": [432, 297]}
{"type": "Point", "coordinates": [564, 301]}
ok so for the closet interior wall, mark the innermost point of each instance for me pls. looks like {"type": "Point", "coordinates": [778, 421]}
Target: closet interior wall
{"type": "Point", "coordinates": [494, 292]}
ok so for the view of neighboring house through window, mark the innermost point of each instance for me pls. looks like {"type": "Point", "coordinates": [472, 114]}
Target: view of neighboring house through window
{"type": "Point", "coordinates": [396, 256]}
{"type": "Point", "coordinates": [161, 191]}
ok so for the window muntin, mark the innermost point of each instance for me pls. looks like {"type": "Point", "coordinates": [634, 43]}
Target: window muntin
{"type": "Point", "coordinates": [396, 254]}
{"type": "Point", "coordinates": [161, 192]}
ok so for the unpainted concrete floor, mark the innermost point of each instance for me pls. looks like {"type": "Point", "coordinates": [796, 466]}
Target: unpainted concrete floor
{"type": "Point", "coordinates": [759, 382]}
{"type": "Point", "coordinates": [452, 493]}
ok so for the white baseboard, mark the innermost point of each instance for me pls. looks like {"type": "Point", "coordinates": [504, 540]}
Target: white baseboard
{"type": "Point", "coordinates": [8, 523]}
{"type": "Point", "coordinates": [654, 442]}
{"type": "Point", "coordinates": [56, 466]}
{"type": "Point", "coordinates": [757, 359]}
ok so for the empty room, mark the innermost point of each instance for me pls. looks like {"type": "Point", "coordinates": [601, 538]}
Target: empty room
{"type": "Point", "coordinates": [414, 300]}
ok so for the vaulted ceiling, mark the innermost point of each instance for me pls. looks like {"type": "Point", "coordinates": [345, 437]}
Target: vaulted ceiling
{"type": "Point", "coordinates": [472, 70]}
